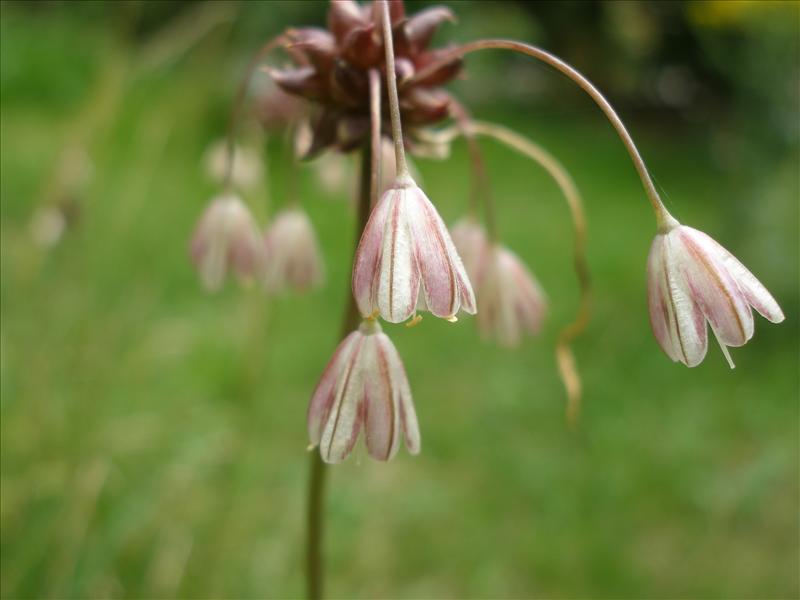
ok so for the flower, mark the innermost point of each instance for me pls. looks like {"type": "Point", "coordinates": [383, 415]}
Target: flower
{"type": "Point", "coordinates": [406, 260]}
{"type": "Point", "coordinates": [469, 238]}
{"type": "Point", "coordinates": [226, 237]}
{"type": "Point", "coordinates": [364, 384]}
{"type": "Point", "coordinates": [691, 280]}
{"type": "Point", "coordinates": [512, 301]}
{"type": "Point", "coordinates": [247, 171]}
{"type": "Point", "coordinates": [292, 253]}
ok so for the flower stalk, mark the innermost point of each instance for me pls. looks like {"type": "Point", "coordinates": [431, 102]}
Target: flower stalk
{"type": "Point", "coordinates": [391, 86]}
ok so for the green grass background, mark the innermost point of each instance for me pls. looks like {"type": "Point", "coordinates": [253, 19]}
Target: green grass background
{"type": "Point", "coordinates": [153, 436]}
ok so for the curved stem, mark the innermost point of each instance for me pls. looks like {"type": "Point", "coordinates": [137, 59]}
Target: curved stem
{"type": "Point", "coordinates": [391, 87]}
{"type": "Point", "coordinates": [316, 487]}
{"type": "Point", "coordinates": [236, 109]}
{"type": "Point", "coordinates": [564, 355]}
{"type": "Point", "coordinates": [665, 220]}
{"type": "Point", "coordinates": [481, 186]}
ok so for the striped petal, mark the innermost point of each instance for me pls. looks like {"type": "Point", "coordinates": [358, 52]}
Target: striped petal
{"type": "Point", "coordinates": [381, 419]}
{"type": "Point", "coordinates": [712, 286]}
{"type": "Point", "coordinates": [322, 400]}
{"type": "Point", "coordinates": [687, 322]}
{"type": "Point", "coordinates": [367, 261]}
{"type": "Point", "coordinates": [398, 286]}
{"type": "Point", "coordinates": [407, 414]}
{"type": "Point", "coordinates": [445, 282]}
{"type": "Point", "coordinates": [754, 292]}
{"type": "Point", "coordinates": [344, 421]}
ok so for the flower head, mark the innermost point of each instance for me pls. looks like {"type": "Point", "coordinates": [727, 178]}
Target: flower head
{"type": "Point", "coordinates": [691, 280]}
{"type": "Point", "coordinates": [331, 67]}
{"type": "Point", "coordinates": [292, 253]}
{"type": "Point", "coordinates": [364, 385]}
{"type": "Point", "coordinates": [226, 238]}
{"type": "Point", "coordinates": [472, 244]}
{"type": "Point", "coordinates": [406, 260]}
{"type": "Point", "coordinates": [512, 302]}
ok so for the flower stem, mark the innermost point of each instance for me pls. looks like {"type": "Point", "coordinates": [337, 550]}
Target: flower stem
{"type": "Point", "coordinates": [316, 487]}
{"type": "Point", "coordinates": [391, 87]}
{"type": "Point", "coordinates": [375, 134]}
{"type": "Point", "coordinates": [663, 217]}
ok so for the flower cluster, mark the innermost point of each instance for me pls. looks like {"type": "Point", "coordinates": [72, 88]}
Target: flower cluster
{"type": "Point", "coordinates": [406, 261]}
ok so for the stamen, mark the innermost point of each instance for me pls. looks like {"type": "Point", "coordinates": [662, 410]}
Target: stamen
{"type": "Point", "coordinates": [724, 349]}
{"type": "Point", "coordinates": [415, 320]}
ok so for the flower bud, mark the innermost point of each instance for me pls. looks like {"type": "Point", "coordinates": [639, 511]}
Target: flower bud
{"type": "Point", "coordinates": [691, 280]}
{"type": "Point", "coordinates": [470, 240]}
{"type": "Point", "coordinates": [293, 258]}
{"type": "Point", "coordinates": [226, 238]}
{"type": "Point", "coordinates": [364, 385]}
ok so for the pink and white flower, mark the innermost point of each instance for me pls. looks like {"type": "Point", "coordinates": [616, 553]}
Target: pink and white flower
{"type": "Point", "coordinates": [363, 386]}
{"type": "Point", "coordinates": [406, 260]}
{"type": "Point", "coordinates": [472, 245]}
{"type": "Point", "coordinates": [293, 259]}
{"type": "Point", "coordinates": [691, 280]}
{"type": "Point", "coordinates": [226, 239]}
{"type": "Point", "coordinates": [512, 301]}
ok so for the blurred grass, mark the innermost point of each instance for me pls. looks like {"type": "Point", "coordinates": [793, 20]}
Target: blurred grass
{"type": "Point", "coordinates": [153, 436]}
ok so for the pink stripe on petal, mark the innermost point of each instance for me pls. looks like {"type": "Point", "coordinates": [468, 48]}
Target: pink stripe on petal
{"type": "Point", "coordinates": [662, 318]}
{"type": "Point", "coordinates": [407, 414]}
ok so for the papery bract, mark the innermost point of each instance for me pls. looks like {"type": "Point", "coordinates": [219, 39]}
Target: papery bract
{"type": "Point", "coordinates": [226, 238]}
{"type": "Point", "coordinates": [406, 259]}
{"type": "Point", "coordinates": [293, 258]}
{"type": "Point", "coordinates": [512, 301]}
{"type": "Point", "coordinates": [363, 386]}
{"type": "Point", "coordinates": [691, 280]}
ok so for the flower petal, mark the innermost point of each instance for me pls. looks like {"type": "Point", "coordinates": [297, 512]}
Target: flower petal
{"type": "Point", "coordinates": [686, 319]}
{"type": "Point", "coordinates": [445, 282]}
{"type": "Point", "coordinates": [382, 406]}
{"type": "Point", "coordinates": [322, 400]}
{"type": "Point", "coordinates": [368, 256]}
{"type": "Point", "coordinates": [407, 416]}
{"type": "Point", "coordinates": [755, 293]}
{"type": "Point", "coordinates": [712, 286]}
{"type": "Point", "coordinates": [398, 286]}
{"type": "Point", "coordinates": [344, 421]}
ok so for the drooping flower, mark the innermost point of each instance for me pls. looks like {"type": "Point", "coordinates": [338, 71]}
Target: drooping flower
{"type": "Point", "coordinates": [406, 260]}
{"type": "Point", "coordinates": [363, 386]}
{"type": "Point", "coordinates": [226, 238]}
{"type": "Point", "coordinates": [293, 259]}
{"type": "Point", "coordinates": [472, 245]}
{"type": "Point", "coordinates": [512, 301]}
{"type": "Point", "coordinates": [691, 280]}
{"type": "Point", "coordinates": [247, 170]}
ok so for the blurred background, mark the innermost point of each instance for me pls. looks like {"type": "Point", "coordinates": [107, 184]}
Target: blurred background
{"type": "Point", "coordinates": [153, 436]}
